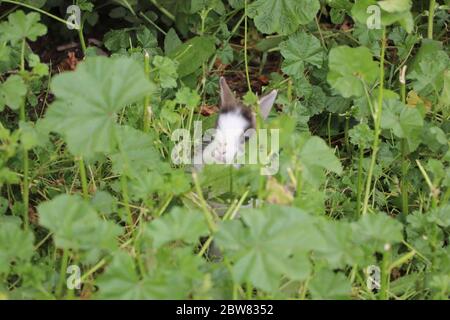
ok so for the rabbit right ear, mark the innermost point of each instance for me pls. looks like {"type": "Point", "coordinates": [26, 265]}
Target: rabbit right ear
{"type": "Point", "coordinates": [267, 102]}
{"type": "Point", "coordinates": [227, 98]}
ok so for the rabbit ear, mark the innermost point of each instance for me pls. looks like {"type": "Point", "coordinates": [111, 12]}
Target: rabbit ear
{"type": "Point", "coordinates": [227, 98]}
{"type": "Point", "coordinates": [267, 102]}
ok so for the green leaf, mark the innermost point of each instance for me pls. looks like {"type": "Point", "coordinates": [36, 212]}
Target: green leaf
{"type": "Point", "coordinates": [176, 275]}
{"type": "Point", "coordinates": [440, 216]}
{"type": "Point", "coordinates": [395, 5]}
{"type": "Point", "coordinates": [21, 26]}
{"type": "Point", "coordinates": [171, 41]}
{"type": "Point", "coordinates": [340, 249]}
{"type": "Point", "coordinates": [136, 152]}
{"type": "Point", "coordinates": [315, 156]}
{"type": "Point", "coordinates": [349, 67]}
{"type": "Point", "coordinates": [76, 225]}
{"type": "Point", "coordinates": [116, 39]}
{"type": "Point", "coordinates": [361, 135]}
{"type": "Point", "coordinates": [104, 202]}
{"type": "Point", "coordinates": [88, 99]}
{"type": "Point", "coordinates": [405, 122]}
{"type": "Point", "coordinates": [390, 12]}
{"type": "Point", "coordinates": [428, 75]}
{"type": "Point", "coordinates": [377, 230]}
{"type": "Point", "coordinates": [187, 97]}
{"type": "Point", "coordinates": [255, 246]}
{"type": "Point", "coordinates": [192, 54]}
{"type": "Point", "coordinates": [167, 71]}
{"type": "Point", "coordinates": [146, 39]}
{"type": "Point", "coordinates": [299, 49]}
{"type": "Point", "coordinates": [16, 245]}
{"type": "Point", "coordinates": [282, 16]}
{"type": "Point", "coordinates": [12, 92]}
{"type": "Point", "coordinates": [120, 281]}
{"type": "Point", "coordinates": [179, 224]}
{"type": "Point", "coordinates": [327, 284]}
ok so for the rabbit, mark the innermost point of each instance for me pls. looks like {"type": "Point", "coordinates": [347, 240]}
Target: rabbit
{"type": "Point", "coordinates": [233, 127]}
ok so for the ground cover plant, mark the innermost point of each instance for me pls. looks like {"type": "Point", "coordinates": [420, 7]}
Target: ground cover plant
{"type": "Point", "coordinates": [93, 205]}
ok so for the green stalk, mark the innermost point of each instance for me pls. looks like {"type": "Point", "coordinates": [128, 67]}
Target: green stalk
{"type": "Point", "coordinates": [360, 181]}
{"type": "Point", "coordinates": [329, 129]}
{"type": "Point", "coordinates": [146, 113]}
{"type": "Point", "coordinates": [83, 178]}
{"type": "Point", "coordinates": [22, 56]}
{"type": "Point", "coordinates": [377, 124]}
{"type": "Point", "coordinates": [37, 10]}
{"type": "Point", "coordinates": [346, 137]}
{"type": "Point", "coordinates": [82, 41]}
{"type": "Point", "coordinates": [208, 216]}
{"type": "Point", "coordinates": [126, 200]}
{"type": "Point", "coordinates": [245, 47]}
{"type": "Point", "coordinates": [23, 117]}
{"type": "Point", "coordinates": [62, 273]}
{"type": "Point", "coordinates": [403, 185]}
{"type": "Point", "coordinates": [385, 275]}
{"type": "Point", "coordinates": [430, 18]}
{"type": "Point", "coordinates": [163, 10]}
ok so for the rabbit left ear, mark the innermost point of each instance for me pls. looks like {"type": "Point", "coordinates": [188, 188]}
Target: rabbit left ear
{"type": "Point", "coordinates": [266, 103]}
{"type": "Point", "coordinates": [227, 98]}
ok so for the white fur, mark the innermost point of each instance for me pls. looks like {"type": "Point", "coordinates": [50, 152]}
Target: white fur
{"type": "Point", "coordinates": [229, 139]}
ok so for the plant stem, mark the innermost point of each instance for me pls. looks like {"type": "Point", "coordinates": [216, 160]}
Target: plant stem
{"type": "Point", "coordinates": [346, 137]}
{"type": "Point", "coordinates": [23, 117]}
{"type": "Point", "coordinates": [403, 186]}
{"type": "Point", "coordinates": [385, 275]}
{"type": "Point", "coordinates": [430, 18]}
{"type": "Point", "coordinates": [377, 123]}
{"type": "Point", "coordinates": [146, 114]}
{"type": "Point", "coordinates": [126, 200]}
{"type": "Point", "coordinates": [163, 10]}
{"type": "Point", "coordinates": [22, 55]}
{"type": "Point", "coordinates": [208, 216]}
{"type": "Point", "coordinates": [360, 181]}
{"type": "Point", "coordinates": [82, 41]}
{"type": "Point", "coordinates": [62, 273]}
{"type": "Point", "coordinates": [38, 10]}
{"type": "Point", "coordinates": [245, 47]}
{"type": "Point", "coordinates": [83, 178]}
{"type": "Point", "coordinates": [329, 129]}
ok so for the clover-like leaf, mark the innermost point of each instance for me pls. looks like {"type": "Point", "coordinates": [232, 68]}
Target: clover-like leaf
{"type": "Point", "coordinates": [315, 156]}
{"type": "Point", "coordinates": [23, 26]}
{"type": "Point", "coordinates": [136, 152]}
{"type": "Point", "coordinates": [192, 54]}
{"type": "Point", "coordinates": [377, 230]}
{"type": "Point", "coordinates": [282, 16]}
{"type": "Point", "coordinates": [16, 245]}
{"type": "Point", "coordinates": [327, 284]}
{"type": "Point", "coordinates": [167, 71]}
{"type": "Point", "coordinates": [176, 276]}
{"type": "Point", "coordinates": [179, 224]}
{"type": "Point", "coordinates": [299, 49]}
{"type": "Point", "coordinates": [428, 75]}
{"type": "Point", "coordinates": [88, 99]}
{"type": "Point", "coordinates": [391, 11]}
{"type": "Point", "coordinates": [254, 247]}
{"type": "Point", "coordinates": [12, 92]}
{"type": "Point", "coordinates": [76, 225]}
{"type": "Point", "coordinates": [349, 67]}
{"type": "Point", "coordinates": [404, 121]}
